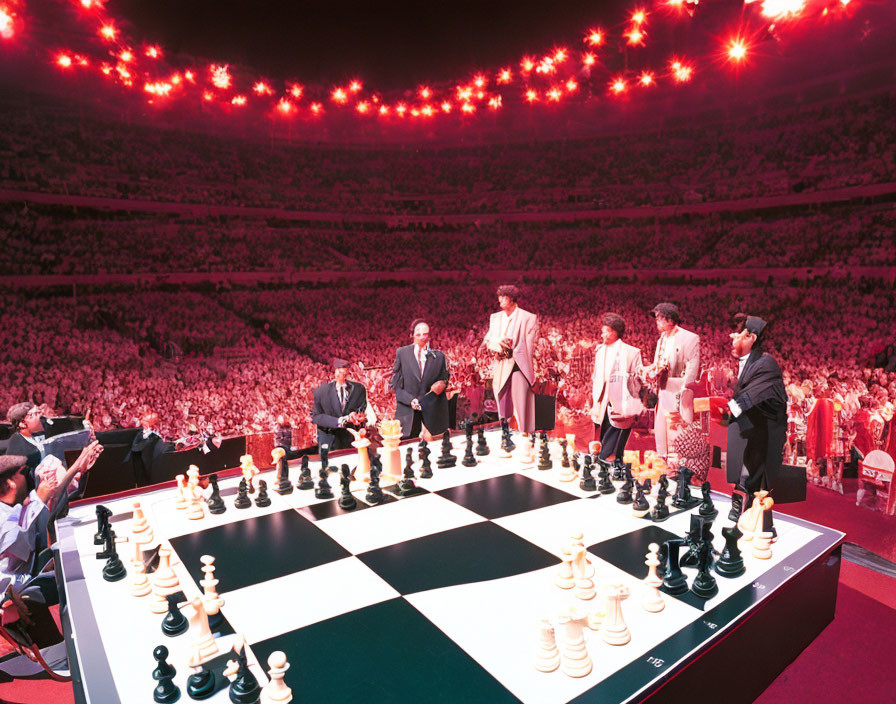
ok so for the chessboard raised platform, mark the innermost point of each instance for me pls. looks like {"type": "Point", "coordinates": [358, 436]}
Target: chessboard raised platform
{"type": "Point", "coordinates": [437, 596]}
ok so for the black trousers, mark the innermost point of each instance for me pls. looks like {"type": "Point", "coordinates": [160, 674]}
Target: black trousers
{"type": "Point", "coordinates": [416, 426]}
{"type": "Point", "coordinates": [612, 440]}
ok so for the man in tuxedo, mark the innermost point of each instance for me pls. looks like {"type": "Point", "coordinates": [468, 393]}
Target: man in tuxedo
{"type": "Point", "coordinates": [419, 377]}
{"type": "Point", "coordinates": [615, 364]}
{"type": "Point", "coordinates": [757, 424]}
{"type": "Point", "coordinates": [338, 405]}
{"type": "Point", "coordinates": [512, 333]}
{"type": "Point", "coordinates": [146, 447]}
{"type": "Point", "coordinates": [676, 363]}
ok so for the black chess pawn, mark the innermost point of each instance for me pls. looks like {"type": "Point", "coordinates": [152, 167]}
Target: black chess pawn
{"type": "Point", "coordinates": [446, 459]}
{"type": "Point", "coordinates": [406, 484]}
{"type": "Point", "coordinates": [564, 453]}
{"type": "Point", "coordinates": [323, 490]}
{"type": "Point", "coordinates": [166, 692]}
{"type": "Point", "coordinates": [215, 502]}
{"type": "Point", "coordinates": [244, 689]}
{"type": "Point", "coordinates": [113, 570]}
{"type": "Point", "coordinates": [481, 444]}
{"type": "Point", "coordinates": [648, 485]}
{"type": "Point", "coordinates": [674, 581]}
{"type": "Point", "coordinates": [242, 495]}
{"type": "Point", "coordinates": [102, 523]}
{"type": "Point", "coordinates": [660, 511]}
{"type": "Point", "coordinates": [346, 501]}
{"type": "Point", "coordinates": [305, 480]}
{"type": "Point", "coordinates": [544, 459]}
{"type": "Point", "coordinates": [705, 585]}
{"type": "Point", "coordinates": [663, 484]}
{"type": "Point", "coordinates": [663, 556]}
{"type": "Point", "coordinates": [587, 483]}
{"type": "Point", "coordinates": [738, 499]}
{"type": "Point", "coordinates": [374, 492]}
{"type": "Point", "coordinates": [730, 562]}
{"type": "Point", "coordinates": [683, 498]}
{"type": "Point", "coordinates": [625, 491]}
{"type": "Point", "coordinates": [174, 622]}
{"type": "Point", "coordinates": [202, 684]}
{"type": "Point", "coordinates": [619, 470]}
{"type": "Point", "coordinates": [693, 540]}
{"type": "Point", "coordinates": [262, 499]}
{"type": "Point", "coordinates": [707, 509]}
{"type": "Point", "coordinates": [469, 459]}
{"type": "Point", "coordinates": [423, 453]}
{"type": "Point", "coordinates": [324, 456]}
{"type": "Point", "coordinates": [284, 486]}
{"type": "Point", "coordinates": [108, 543]}
{"type": "Point", "coordinates": [640, 507]}
{"type": "Point", "coordinates": [604, 486]}
{"type": "Point", "coordinates": [507, 443]}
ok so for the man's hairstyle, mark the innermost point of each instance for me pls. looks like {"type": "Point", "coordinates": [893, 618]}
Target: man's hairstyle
{"type": "Point", "coordinates": [417, 322]}
{"type": "Point", "coordinates": [509, 290]}
{"type": "Point", "coordinates": [9, 465]}
{"type": "Point", "coordinates": [614, 321]}
{"type": "Point", "coordinates": [739, 324]}
{"type": "Point", "coordinates": [16, 414]}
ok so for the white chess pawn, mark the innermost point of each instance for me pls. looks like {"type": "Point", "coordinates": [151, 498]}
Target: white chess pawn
{"type": "Point", "coordinates": [564, 577]}
{"type": "Point", "coordinates": [140, 526]}
{"type": "Point", "coordinates": [140, 585]}
{"type": "Point", "coordinates": [276, 691]}
{"type": "Point", "coordinates": [213, 602]}
{"type": "Point", "coordinates": [578, 538]}
{"type": "Point", "coordinates": [652, 600]}
{"type": "Point", "coordinates": [575, 661]}
{"type": "Point", "coordinates": [584, 586]}
{"type": "Point", "coordinates": [762, 546]}
{"type": "Point", "coordinates": [613, 629]}
{"type": "Point", "coordinates": [195, 511]}
{"type": "Point", "coordinates": [547, 655]}
{"type": "Point", "coordinates": [180, 500]}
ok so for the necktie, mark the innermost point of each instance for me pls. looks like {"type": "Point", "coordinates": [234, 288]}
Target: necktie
{"type": "Point", "coordinates": [420, 362]}
{"type": "Point", "coordinates": [341, 397]}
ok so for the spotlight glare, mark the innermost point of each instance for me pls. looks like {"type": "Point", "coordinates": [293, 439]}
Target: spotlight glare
{"type": "Point", "coordinates": [595, 37]}
{"type": "Point", "coordinates": [589, 60]}
{"type": "Point", "coordinates": [737, 50]}
{"type": "Point", "coordinates": [108, 31]}
{"type": "Point", "coordinates": [505, 76]}
{"type": "Point", "coordinates": [220, 76]}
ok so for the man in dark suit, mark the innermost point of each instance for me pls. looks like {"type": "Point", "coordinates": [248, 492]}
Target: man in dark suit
{"type": "Point", "coordinates": [757, 426]}
{"type": "Point", "coordinates": [419, 378]}
{"type": "Point", "coordinates": [146, 447]}
{"type": "Point", "coordinates": [339, 405]}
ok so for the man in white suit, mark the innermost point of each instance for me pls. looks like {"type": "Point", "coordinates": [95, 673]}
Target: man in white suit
{"type": "Point", "coordinates": [676, 363]}
{"type": "Point", "coordinates": [512, 333]}
{"type": "Point", "coordinates": [615, 405]}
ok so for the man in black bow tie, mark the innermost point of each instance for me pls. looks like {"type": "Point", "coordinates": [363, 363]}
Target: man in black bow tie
{"type": "Point", "coordinates": [419, 378]}
{"type": "Point", "coordinates": [757, 425]}
{"type": "Point", "coordinates": [338, 405]}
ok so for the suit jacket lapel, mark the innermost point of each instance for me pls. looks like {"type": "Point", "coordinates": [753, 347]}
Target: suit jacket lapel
{"type": "Point", "coordinates": [334, 397]}
{"type": "Point", "coordinates": [755, 354]}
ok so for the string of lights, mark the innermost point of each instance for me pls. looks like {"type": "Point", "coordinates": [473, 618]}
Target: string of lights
{"type": "Point", "coordinates": [543, 80]}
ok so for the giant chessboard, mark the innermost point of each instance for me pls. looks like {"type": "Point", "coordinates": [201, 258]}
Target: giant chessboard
{"type": "Point", "coordinates": [437, 596]}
